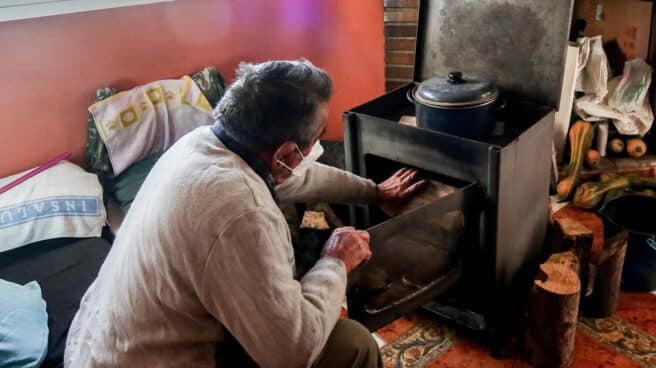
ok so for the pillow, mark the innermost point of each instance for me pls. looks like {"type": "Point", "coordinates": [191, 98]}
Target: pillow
{"type": "Point", "coordinates": [123, 187]}
{"type": "Point", "coordinates": [149, 119]}
{"type": "Point", "coordinates": [209, 80]}
{"type": "Point", "coordinates": [63, 201]}
{"type": "Point", "coordinates": [23, 325]}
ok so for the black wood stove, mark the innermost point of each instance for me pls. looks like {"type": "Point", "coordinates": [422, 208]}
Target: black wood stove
{"type": "Point", "coordinates": [469, 255]}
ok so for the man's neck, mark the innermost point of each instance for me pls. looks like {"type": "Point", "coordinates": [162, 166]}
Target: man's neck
{"type": "Point", "coordinates": [256, 161]}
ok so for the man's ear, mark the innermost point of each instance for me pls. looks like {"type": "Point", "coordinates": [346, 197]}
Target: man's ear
{"type": "Point", "coordinates": [287, 154]}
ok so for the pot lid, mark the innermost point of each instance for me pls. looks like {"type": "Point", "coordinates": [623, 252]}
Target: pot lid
{"type": "Point", "coordinates": [456, 90]}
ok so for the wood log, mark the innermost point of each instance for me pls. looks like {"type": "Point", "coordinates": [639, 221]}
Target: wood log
{"type": "Point", "coordinates": [552, 314]}
{"type": "Point", "coordinates": [433, 191]}
{"type": "Point", "coordinates": [574, 236]}
{"type": "Point", "coordinates": [588, 219]}
{"type": "Point", "coordinates": [568, 259]}
{"type": "Point", "coordinates": [607, 276]}
{"type": "Point", "coordinates": [332, 218]}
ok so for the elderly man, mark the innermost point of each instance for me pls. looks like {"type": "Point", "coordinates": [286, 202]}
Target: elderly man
{"type": "Point", "coordinates": [202, 270]}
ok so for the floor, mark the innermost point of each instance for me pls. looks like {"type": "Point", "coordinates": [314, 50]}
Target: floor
{"type": "Point", "coordinates": [627, 339]}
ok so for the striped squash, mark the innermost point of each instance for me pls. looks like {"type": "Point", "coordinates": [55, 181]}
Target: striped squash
{"type": "Point", "coordinates": [580, 141]}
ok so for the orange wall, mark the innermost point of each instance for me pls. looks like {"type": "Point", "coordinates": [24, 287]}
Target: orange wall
{"type": "Point", "coordinates": [50, 67]}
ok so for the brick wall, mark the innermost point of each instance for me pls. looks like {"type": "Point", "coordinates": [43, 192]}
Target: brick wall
{"type": "Point", "coordinates": [400, 41]}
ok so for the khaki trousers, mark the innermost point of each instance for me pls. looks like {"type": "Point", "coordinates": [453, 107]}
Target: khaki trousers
{"type": "Point", "coordinates": [350, 345]}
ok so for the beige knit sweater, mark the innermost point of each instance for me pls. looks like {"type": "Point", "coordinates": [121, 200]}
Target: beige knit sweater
{"type": "Point", "coordinates": [205, 250]}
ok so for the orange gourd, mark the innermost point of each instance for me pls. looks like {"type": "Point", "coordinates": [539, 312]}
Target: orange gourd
{"type": "Point", "coordinates": [592, 158]}
{"type": "Point", "coordinates": [636, 147]}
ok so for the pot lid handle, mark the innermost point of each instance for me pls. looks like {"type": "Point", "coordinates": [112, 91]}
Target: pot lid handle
{"type": "Point", "coordinates": [455, 78]}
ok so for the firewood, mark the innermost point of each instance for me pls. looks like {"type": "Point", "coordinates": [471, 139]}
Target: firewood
{"type": "Point", "coordinates": [552, 314]}
{"type": "Point", "coordinates": [314, 220]}
{"type": "Point", "coordinates": [331, 217]}
{"type": "Point", "coordinates": [607, 276]}
{"type": "Point", "coordinates": [568, 259]}
{"type": "Point", "coordinates": [574, 236]}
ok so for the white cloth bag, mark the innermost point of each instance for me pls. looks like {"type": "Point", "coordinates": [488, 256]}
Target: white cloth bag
{"type": "Point", "coordinates": [623, 99]}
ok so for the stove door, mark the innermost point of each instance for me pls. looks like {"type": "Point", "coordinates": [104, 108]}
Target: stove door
{"type": "Point", "coordinates": [417, 256]}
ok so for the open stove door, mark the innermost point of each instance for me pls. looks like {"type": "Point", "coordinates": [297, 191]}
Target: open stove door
{"type": "Point", "coordinates": [417, 256]}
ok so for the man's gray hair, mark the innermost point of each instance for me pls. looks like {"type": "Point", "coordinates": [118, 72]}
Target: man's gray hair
{"type": "Point", "coordinates": [274, 102]}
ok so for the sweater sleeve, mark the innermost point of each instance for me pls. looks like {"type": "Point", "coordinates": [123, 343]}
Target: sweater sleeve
{"type": "Point", "coordinates": [249, 287]}
{"type": "Point", "coordinates": [323, 183]}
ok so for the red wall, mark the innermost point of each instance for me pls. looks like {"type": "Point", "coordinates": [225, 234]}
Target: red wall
{"type": "Point", "coordinates": [50, 67]}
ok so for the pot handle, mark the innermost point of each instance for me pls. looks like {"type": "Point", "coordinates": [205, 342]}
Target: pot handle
{"type": "Point", "coordinates": [502, 105]}
{"type": "Point", "coordinates": [410, 95]}
{"type": "Point", "coordinates": [455, 78]}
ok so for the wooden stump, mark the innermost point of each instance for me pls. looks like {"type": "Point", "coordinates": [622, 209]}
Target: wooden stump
{"type": "Point", "coordinates": [552, 314]}
{"type": "Point", "coordinates": [568, 259]}
{"type": "Point", "coordinates": [607, 274]}
{"type": "Point", "coordinates": [574, 236]}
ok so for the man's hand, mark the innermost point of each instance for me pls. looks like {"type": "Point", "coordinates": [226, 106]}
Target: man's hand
{"type": "Point", "coordinates": [393, 192]}
{"type": "Point", "coordinates": [349, 245]}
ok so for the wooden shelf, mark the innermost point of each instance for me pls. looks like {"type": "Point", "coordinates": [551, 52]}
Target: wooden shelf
{"type": "Point", "coordinates": [645, 165]}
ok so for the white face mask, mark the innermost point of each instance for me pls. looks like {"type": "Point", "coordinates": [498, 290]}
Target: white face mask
{"type": "Point", "coordinates": [306, 161]}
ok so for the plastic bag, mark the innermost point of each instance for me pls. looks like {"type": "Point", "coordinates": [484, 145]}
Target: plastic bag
{"type": "Point", "coordinates": [627, 103]}
{"type": "Point", "coordinates": [592, 70]}
{"type": "Point", "coordinates": [631, 98]}
{"type": "Point", "coordinates": [631, 92]}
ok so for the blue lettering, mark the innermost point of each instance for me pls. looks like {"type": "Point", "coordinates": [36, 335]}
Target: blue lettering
{"type": "Point", "coordinates": [22, 210]}
{"type": "Point", "coordinates": [38, 207]}
{"type": "Point", "coordinates": [48, 207]}
{"type": "Point", "coordinates": [6, 217]}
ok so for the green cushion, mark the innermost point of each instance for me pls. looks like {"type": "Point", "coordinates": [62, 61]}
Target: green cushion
{"type": "Point", "coordinates": [125, 186]}
{"type": "Point", "coordinates": [97, 159]}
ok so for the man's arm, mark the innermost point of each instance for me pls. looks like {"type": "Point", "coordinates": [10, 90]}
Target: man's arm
{"type": "Point", "coordinates": [322, 183]}
{"type": "Point", "coordinates": [249, 287]}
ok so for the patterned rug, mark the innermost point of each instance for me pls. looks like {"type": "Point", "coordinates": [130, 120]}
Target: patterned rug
{"type": "Point", "coordinates": [623, 337]}
{"type": "Point", "coordinates": [418, 346]}
{"type": "Point", "coordinates": [417, 342]}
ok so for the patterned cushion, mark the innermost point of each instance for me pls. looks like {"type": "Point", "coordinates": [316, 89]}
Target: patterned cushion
{"type": "Point", "coordinates": [124, 187]}
{"type": "Point", "coordinates": [208, 80]}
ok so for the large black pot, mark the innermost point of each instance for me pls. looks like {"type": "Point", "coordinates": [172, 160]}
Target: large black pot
{"type": "Point", "coordinates": [465, 106]}
{"type": "Point", "coordinates": [635, 213]}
